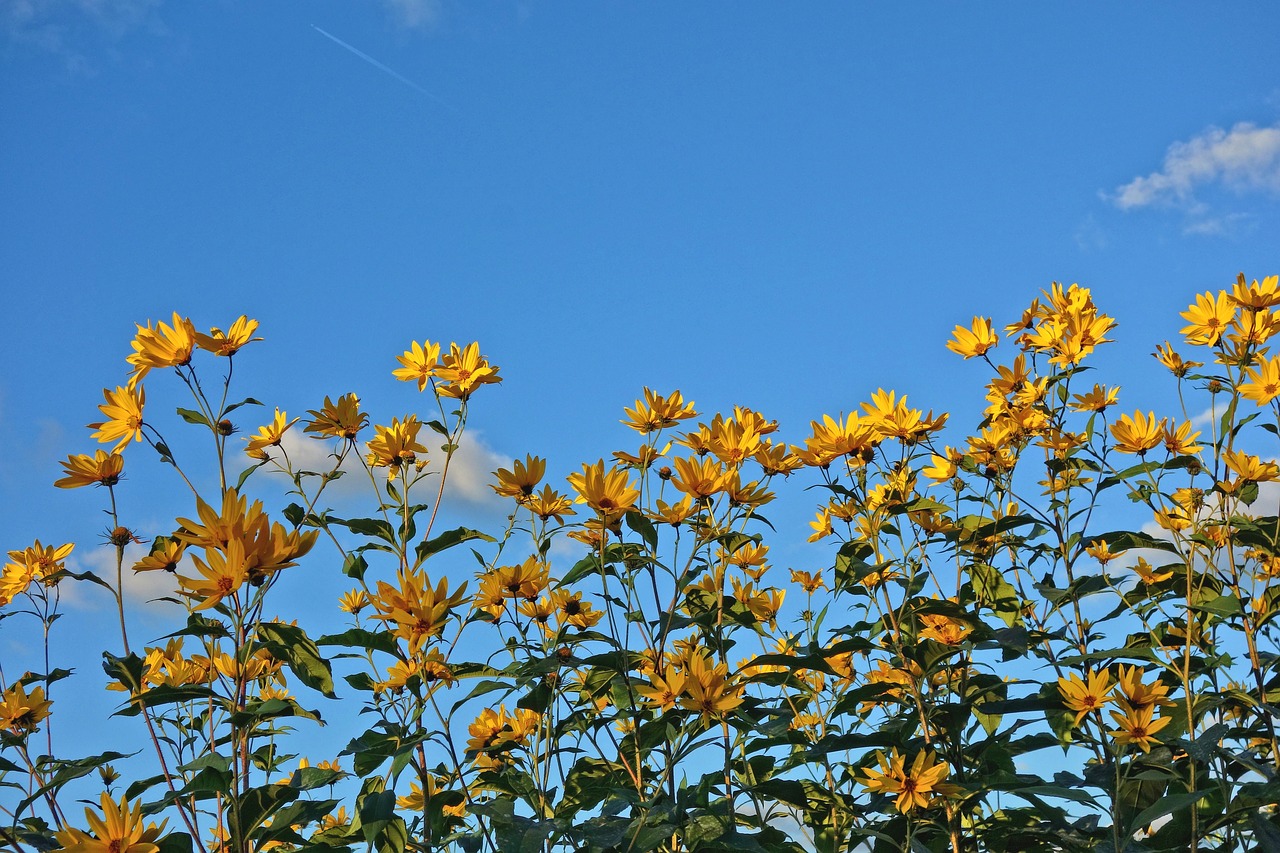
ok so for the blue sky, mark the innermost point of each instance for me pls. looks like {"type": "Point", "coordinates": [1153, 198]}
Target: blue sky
{"type": "Point", "coordinates": [781, 206]}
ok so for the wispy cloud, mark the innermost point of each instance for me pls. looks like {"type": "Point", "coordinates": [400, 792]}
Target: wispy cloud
{"type": "Point", "coordinates": [470, 470]}
{"type": "Point", "coordinates": [1245, 159]}
{"type": "Point", "coordinates": [73, 30]}
{"type": "Point", "coordinates": [414, 14]}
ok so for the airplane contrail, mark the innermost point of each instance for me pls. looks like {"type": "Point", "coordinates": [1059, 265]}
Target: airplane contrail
{"type": "Point", "coordinates": [376, 64]}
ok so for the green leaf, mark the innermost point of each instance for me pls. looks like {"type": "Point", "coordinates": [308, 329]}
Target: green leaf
{"type": "Point", "coordinates": [644, 527]}
{"type": "Point", "coordinates": [193, 417]}
{"type": "Point", "coordinates": [447, 540]}
{"type": "Point", "coordinates": [291, 644]}
{"type": "Point", "coordinates": [1166, 805]}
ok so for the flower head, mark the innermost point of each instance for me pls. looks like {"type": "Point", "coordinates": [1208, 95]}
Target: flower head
{"type": "Point", "coordinates": [974, 341]}
{"type": "Point", "coordinates": [342, 419]}
{"type": "Point", "coordinates": [269, 436]}
{"type": "Point", "coordinates": [20, 711]}
{"type": "Point", "coordinates": [418, 364]}
{"type": "Point", "coordinates": [163, 346]}
{"type": "Point", "coordinates": [915, 788]}
{"type": "Point", "coordinates": [463, 370]}
{"type": "Point", "coordinates": [100, 469]}
{"type": "Point", "coordinates": [123, 410]}
{"type": "Point", "coordinates": [1085, 696]}
{"type": "Point", "coordinates": [228, 343]}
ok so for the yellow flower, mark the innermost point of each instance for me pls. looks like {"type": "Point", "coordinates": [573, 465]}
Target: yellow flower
{"type": "Point", "coordinates": [1137, 726]}
{"type": "Point", "coordinates": [342, 419]}
{"type": "Point", "coordinates": [519, 482]}
{"type": "Point", "coordinates": [674, 514]}
{"type": "Point", "coordinates": [708, 688]}
{"type": "Point", "coordinates": [38, 563]}
{"type": "Point", "coordinates": [699, 477]}
{"type": "Point", "coordinates": [1085, 696]}
{"type": "Point", "coordinates": [915, 787]}
{"type": "Point", "coordinates": [20, 711]}
{"type": "Point", "coordinates": [944, 629]}
{"type": "Point", "coordinates": [810, 582]}
{"type": "Point", "coordinates": [1255, 296]}
{"type": "Point", "coordinates": [494, 728]}
{"type": "Point", "coordinates": [418, 364]}
{"type": "Point", "coordinates": [416, 612]}
{"type": "Point", "coordinates": [354, 601]}
{"type": "Point", "coordinates": [1149, 575]}
{"type": "Point", "coordinates": [549, 504]}
{"type": "Point", "coordinates": [165, 556]}
{"type": "Point", "coordinates": [118, 830]}
{"type": "Point", "coordinates": [222, 576]}
{"type": "Point", "coordinates": [1096, 400]}
{"type": "Point", "coordinates": [464, 370]}
{"type": "Point", "coordinates": [228, 343]}
{"type": "Point", "coordinates": [821, 525]}
{"type": "Point", "coordinates": [607, 492]}
{"type": "Point", "coordinates": [100, 469]}
{"type": "Point", "coordinates": [572, 610]}
{"type": "Point", "coordinates": [1249, 467]}
{"type": "Point", "coordinates": [656, 412]}
{"type": "Point", "coordinates": [1137, 434]}
{"type": "Point", "coordinates": [974, 341]}
{"type": "Point", "coordinates": [776, 459]}
{"type": "Point", "coordinates": [943, 468]}
{"type": "Point", "coordinates": [123, 410]}
{"type": "Point", "coordinates": [396, 444]}
{"type": "Point", "coordinates": [1180, 441]}
{"type": "Point", "coordinates": [1139, 695]}
{"type": "Point", "coordinates": [1173, 361]}
{"type": "Point", "coordinates": [1264, 383]}
{"type": "Point", "coordinates": [664, 690]}
{"type": "Point", "coordinates": [269, 436]}
{"type": "Point", "coordinates": [163, 346]}
{"type": "Point", "coordinates": [526, 580]}
{"type": "Point", "coordinates": [1208, 318]}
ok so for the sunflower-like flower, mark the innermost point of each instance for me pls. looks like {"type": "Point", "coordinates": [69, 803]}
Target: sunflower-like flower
{"type": "Point", "coordinates": [416, 611]}
{"type": "Point", "coordinates": [914, 788]}
{"type": "Point", "coordinates": [123, 410]}
{"type": "Point", "coordinates": [1137, 433]}
{"type": "Point", "coordinates": [1264, 382]}
{"type": "Point", "coordinates": [38, 563]}
{"type": "Point", "coordinates": [20, 711]}
{"type": "Point", "coordinates": [708, 689]}
{"type": "Point", "coordinates": [609, 493]}
{"type": "Point", "coordinates": [395, 445]}
{"type": "Point", "coordinates": [342, 419]}
{"type": "Point", "coordinates": [519, 481]}
{"type": "Point", "coordinates": [269, 436]}
{"type": "Point", "coordinates": [228, 343]}
{"type": "Point", "coordinates": [418, 364]}
{"type": "Point", "coordinates": [1087, 695]}
{"type": "Point", "coordinates": [1208, 318]}
{"type": "Point", "coordinates": [656, 412]}
{"type": "Point", "coordinates": [100, 469]}
{"type": "Point", "coordinates": [1137, 725]}
{"type": "Point", "coordinates": [118, 830]}
{"type": "Point", "coordinates": [163, 346]}
{"type": "Point", "coordinates": [463, 370]}
{"type": "Point", "coordinates": [548, 504]}
{"type": "Point", "coordinates": [974, 341]}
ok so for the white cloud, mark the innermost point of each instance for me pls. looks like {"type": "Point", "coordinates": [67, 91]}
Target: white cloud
{"type": "Point", "coordinates": [70, 29]}
{"type": "Point", "coordinates": [471, 470]}
{"type": "Point", "coordinates": [1244, 159]}
{"type": "Point", "coordinates": [140, 588]}
{"type": "Point", "coordinates": [414, 14]}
